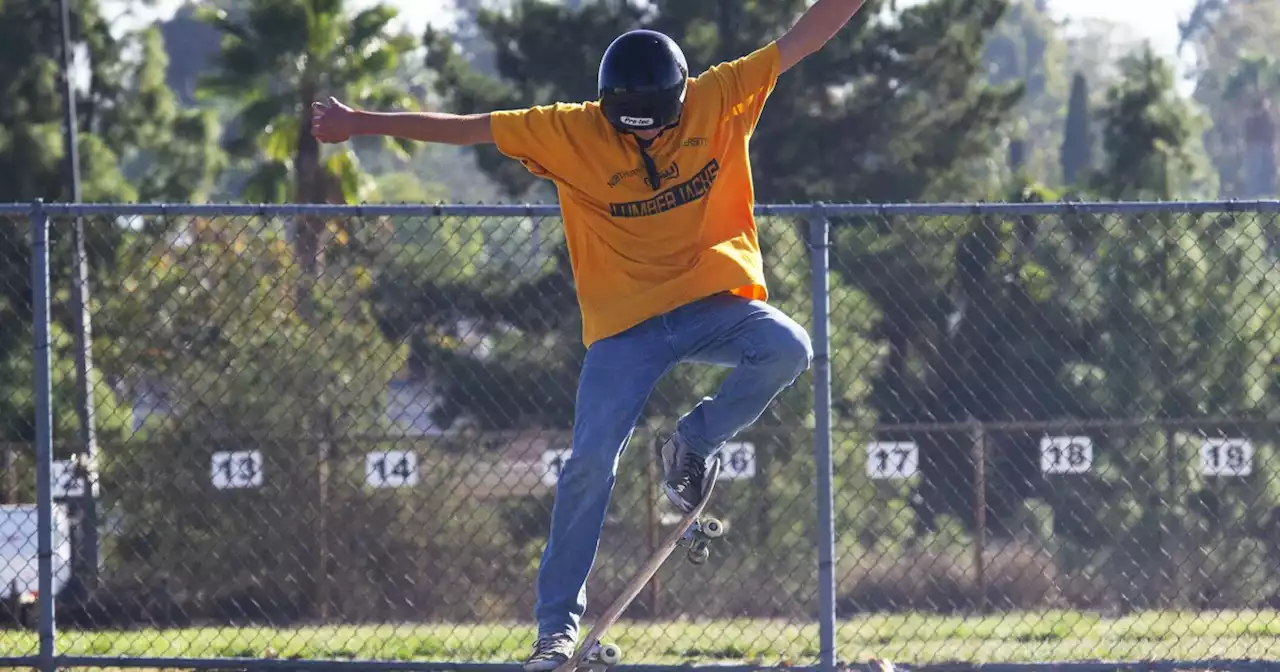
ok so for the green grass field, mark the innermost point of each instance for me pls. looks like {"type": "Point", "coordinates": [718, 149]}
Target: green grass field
{"type": "Point", "coordinates": [1013, 637]}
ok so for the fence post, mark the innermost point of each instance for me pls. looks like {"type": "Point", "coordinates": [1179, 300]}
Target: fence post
{"type": "Point", "coordinates": [86, 556]}
{"type": "Point", "coordinates": [44, 429]}
{"type": "Point", "coordinates": [819, 232]}
{"type": "Point", "coordinates": [979, 455]}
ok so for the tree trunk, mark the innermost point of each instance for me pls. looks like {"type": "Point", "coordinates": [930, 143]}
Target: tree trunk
{"type": "Point", "coordinates": [726, 20]}
{"type": "Point", "coordinates": [308, 190]}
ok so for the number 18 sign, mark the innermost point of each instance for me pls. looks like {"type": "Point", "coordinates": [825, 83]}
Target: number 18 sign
{"type": "Point", "coordinates": [1066, 454]}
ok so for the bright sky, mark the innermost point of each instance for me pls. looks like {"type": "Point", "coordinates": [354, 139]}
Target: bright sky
{"type": "Point", "coordinates": [1156, 20]}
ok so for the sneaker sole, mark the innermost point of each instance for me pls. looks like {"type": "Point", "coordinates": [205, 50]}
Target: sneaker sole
{"type": "Point", "coordinates": [544, 665]}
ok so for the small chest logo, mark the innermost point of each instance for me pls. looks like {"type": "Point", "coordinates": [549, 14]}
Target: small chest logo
{"type": "Point", "coordinates": [671, 173]}
{"type": "Point", "coordinates": [682, 193]}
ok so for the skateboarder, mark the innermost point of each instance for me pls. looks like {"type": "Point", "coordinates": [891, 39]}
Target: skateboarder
{"type": "Point", "coordinates": [656, 194]}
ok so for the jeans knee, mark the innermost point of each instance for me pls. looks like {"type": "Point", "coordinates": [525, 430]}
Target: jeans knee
{"type": "Point", "coordinates": [587, 471]}
{"type": "Point", "coordinates": [791, 349]}
{"type": "Point", "coordinates": [800, 351]}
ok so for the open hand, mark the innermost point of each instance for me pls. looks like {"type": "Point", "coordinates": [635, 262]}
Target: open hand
{"type": "Point", "coordinates": [332, 121]}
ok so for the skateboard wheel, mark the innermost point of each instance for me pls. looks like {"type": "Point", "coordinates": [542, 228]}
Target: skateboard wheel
{"type": "Point", "coordinates": [610, 654]}
{"type": "Point", "coordinates": [699, 554]}
{"type": "Point", "coordinates": [712, 528]}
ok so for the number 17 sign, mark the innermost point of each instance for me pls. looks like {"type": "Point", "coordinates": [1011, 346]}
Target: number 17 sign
{"type": "Point", "coordinates": [892, 459]}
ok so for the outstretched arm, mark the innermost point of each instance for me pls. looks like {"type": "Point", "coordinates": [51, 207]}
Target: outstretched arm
{"type": "Point", "coordinates": [333, 121]}
{"type": "Point", "coordinates": [815, 28]}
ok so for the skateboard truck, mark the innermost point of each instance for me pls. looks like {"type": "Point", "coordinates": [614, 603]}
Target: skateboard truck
{"type": "Point", "coordinates": [698, 538]}
{"type": "Point", "coordinates": [602, 655]}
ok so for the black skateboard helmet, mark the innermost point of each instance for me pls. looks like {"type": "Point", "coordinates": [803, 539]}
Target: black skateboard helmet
{"type": "Point", "coordinates": [642, 81]}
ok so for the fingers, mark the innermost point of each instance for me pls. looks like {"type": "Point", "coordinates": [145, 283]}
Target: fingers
{"type": "Point", "coordinates": [317, 119]}
{"type": "Point", "coordinates": [319, 129]}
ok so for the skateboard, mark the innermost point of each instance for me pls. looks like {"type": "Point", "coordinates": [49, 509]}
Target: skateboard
{"type": "Point", "coordinates": [692, 531]}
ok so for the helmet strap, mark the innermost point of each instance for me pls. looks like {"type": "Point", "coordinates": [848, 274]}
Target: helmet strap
{"type": "Point", "coordinates": [654, 180]}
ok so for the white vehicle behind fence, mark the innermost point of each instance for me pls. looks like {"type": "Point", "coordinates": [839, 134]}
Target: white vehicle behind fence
{"type": "Point", "coordinates": [19, 552]}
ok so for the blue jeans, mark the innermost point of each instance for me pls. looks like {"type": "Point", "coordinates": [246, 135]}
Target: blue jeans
{"type": "Point", "coordinates": [768, 351]}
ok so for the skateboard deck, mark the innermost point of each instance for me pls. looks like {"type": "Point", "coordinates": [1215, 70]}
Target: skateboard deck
{"type": "Point", "coordinates": [693, 530]}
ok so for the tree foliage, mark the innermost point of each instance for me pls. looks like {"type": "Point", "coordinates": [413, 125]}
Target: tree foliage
{"type": "Point", "coordinates": [1027, 47]}
{"type": "Point", "coordinates": [134, 144]}
{"type": "Point", "coordinates": [206, 324]}
{"type": "Point", "coordinates": [1044, 319]}
{"type": "Point", "coordinates": [898, 98]}
{"type": "Point", "coordinates": [278, 58]}
{"type": "Point", "coordinates": [1237, 81]}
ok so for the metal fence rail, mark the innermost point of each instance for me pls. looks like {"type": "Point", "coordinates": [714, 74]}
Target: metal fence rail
{"type": "Point", "coordinates": [329, 437]}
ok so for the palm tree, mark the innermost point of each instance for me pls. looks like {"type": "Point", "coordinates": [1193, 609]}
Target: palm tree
{"type": "Point", "coordinates": [277, 57]}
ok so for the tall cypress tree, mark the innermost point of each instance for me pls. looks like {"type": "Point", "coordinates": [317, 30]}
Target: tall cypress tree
{"type": "Point", "coordinates": [1077, 143]}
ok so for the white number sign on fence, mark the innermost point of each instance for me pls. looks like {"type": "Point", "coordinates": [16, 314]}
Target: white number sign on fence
{"type": "Point", "coordinates": [892, 459]}
{"type": "Point", "coordinates": [1226, 457]}
{"type": "Point", "coordinates": [737, 461]}
{"type": "Point", "coordinates": [1066, 454]}
{"type": "Point", "coordinates": [237, 469]}
{"type": "Point", "coordinates": [391, 469]}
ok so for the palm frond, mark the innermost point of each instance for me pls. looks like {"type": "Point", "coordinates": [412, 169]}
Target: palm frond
{"type": "Point", "coordinates": [402, 149]}
{"type": "Point", "coordinates": [270, 183]}
{"type": "Point", "coordinates": [221, 21]}
{"type": "Point", "coordinates": [254, 120]}
{"type": "Point", "coordinates": [345, 167]}
{"type": "Point", "coordinates": [370, 24]}
{"type": "Point", "coordinates": [278, 140]}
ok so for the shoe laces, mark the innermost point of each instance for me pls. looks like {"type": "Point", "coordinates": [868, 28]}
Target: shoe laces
{"type": "Point", "coordinates": [545, 646]}
{"type": "Point", "coordinates": [695, 467]}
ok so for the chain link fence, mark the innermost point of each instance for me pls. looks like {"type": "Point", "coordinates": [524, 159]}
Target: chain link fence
{"type": "Point", "coordinates": [1033, 433]}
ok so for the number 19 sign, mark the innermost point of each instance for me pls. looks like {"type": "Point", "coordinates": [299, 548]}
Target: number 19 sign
{"type": "Point", "coordinates": [1226, 457]}
{"type": "Point", "coordinates": [892, 459]}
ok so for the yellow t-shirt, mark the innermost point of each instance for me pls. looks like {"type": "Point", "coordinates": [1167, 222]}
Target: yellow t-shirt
{"type": "Point", "coordinates": [636, 252]}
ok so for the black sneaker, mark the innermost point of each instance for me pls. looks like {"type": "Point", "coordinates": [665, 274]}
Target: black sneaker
{"type": "Point", "coordinates": [687, 476]}
{"type": "Point", "coordinates": [549, 653]}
